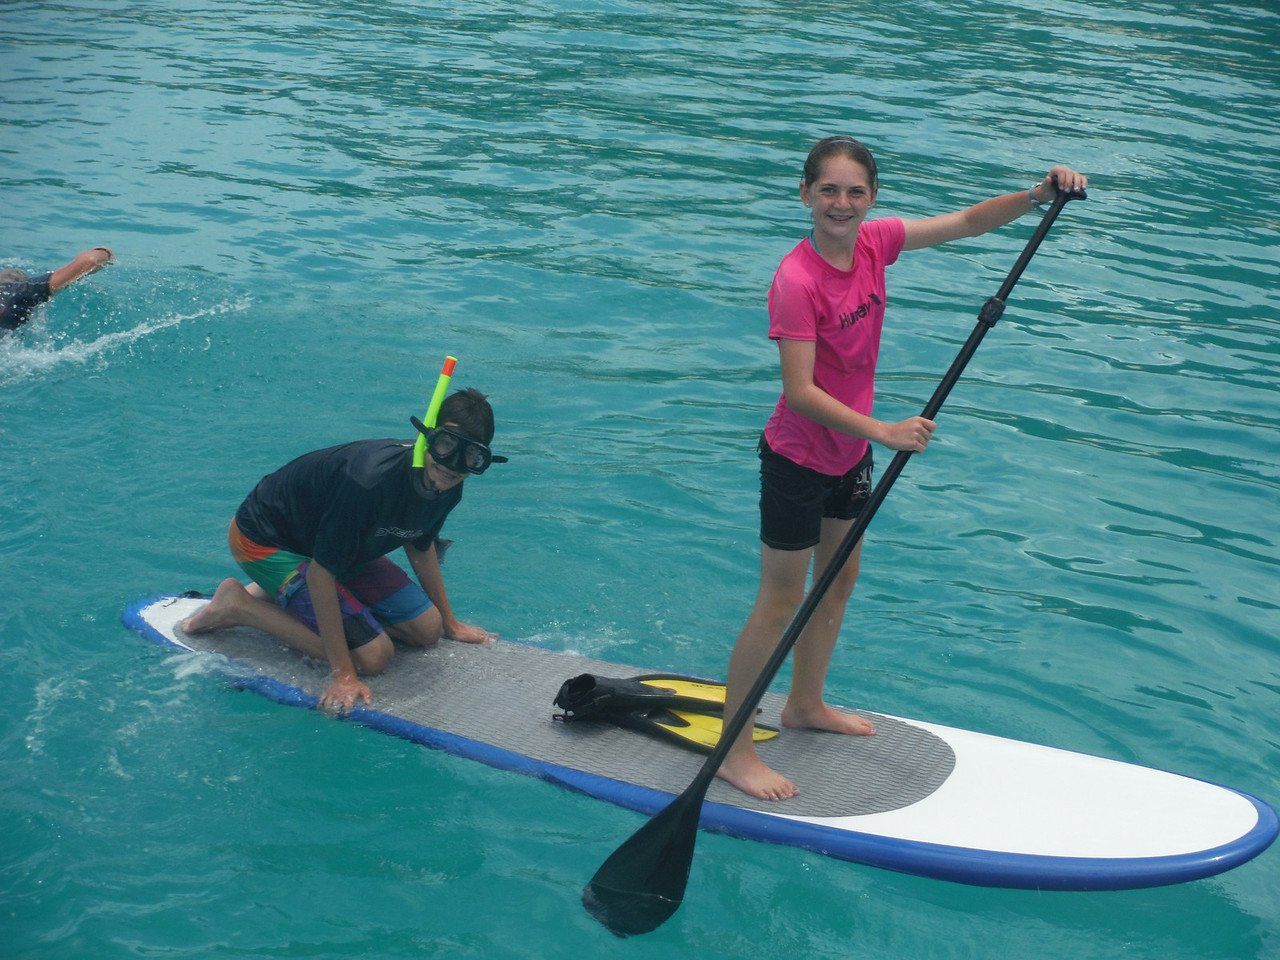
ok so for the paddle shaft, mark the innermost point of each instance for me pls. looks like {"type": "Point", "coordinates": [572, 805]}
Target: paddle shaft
{"type": "Point", "coordinates": [987, 318]}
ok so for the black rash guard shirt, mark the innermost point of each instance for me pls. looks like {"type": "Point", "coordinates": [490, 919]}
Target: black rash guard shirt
{"type": "Point", "coordinates": [19, 297]}
{"type": "Point", "coordinates": [346, 505]}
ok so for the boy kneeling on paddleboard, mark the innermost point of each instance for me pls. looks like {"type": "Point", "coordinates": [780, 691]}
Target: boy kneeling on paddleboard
{"type": "Point", "coordinates": [314, 538]}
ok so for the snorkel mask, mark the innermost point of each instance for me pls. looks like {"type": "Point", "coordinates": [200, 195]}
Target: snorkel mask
{"type": "Point", "coordinates": [458, 452]}
{"type": "Point", "coordinates": [451, 449]}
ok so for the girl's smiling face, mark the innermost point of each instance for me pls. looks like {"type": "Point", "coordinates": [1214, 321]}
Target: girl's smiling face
{"type": "Point", "coordinates": [839, 199]}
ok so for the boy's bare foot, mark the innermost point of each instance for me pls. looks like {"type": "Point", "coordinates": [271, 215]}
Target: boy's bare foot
{"type": "Point", "coordinates": [752, 776]}
{"type": "Point", "coordinates": [824, 718]}
{"type": "Point", "coordinates": [220, 612]}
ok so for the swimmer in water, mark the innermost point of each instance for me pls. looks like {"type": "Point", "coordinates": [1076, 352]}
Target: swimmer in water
{"type": "Point", "coordinates": [20, 293]}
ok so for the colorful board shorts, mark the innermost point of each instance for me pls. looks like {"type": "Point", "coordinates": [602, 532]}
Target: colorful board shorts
{"type": "Point", "coordinates": [377, 596]}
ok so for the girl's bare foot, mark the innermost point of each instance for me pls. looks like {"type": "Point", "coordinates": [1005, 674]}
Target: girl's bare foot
{"type": "Point", "coordinates": [752, 776]}
{"type": "Point", "coordinates": [824, 718]}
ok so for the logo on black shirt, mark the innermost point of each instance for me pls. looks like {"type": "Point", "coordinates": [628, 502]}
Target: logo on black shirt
{"type": "Point", "coordinates": [398, 533]}
{"type": "Point", "coordinates": [847, 320]}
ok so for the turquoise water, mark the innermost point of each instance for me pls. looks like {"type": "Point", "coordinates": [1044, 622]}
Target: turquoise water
{"type": "Point", "coordinates": [313, 203]}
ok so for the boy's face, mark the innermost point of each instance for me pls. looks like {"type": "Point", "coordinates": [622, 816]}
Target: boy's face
{"type": "Point", "coordinates": [440, 477]}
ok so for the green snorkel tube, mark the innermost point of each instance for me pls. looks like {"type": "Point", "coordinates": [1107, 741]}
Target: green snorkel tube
{"type": "Point", "coordinates": [433, 411]}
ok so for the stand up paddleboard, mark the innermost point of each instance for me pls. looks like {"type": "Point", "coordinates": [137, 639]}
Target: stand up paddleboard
{"type": "Point", "coordinates": [917, 798]}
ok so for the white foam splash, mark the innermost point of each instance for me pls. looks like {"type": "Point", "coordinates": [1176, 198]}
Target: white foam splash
{"type": "Point", "coordinates": [50, 692]}
{"type": "Point", "coordinates": [595, 645]}
{"type": "Point", "coordinates": [20, 360]}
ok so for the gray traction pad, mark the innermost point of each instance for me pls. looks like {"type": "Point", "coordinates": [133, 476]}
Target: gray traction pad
{"type": "Point", "coordinates": [501, 694]}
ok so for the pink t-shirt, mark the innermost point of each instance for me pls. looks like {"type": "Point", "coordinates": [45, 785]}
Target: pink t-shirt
{"type": "Point", "coordinates": [843, 311]}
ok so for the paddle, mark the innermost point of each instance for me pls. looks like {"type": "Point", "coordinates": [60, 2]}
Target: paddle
{"type": "Point", "coordinates": [643, 882]}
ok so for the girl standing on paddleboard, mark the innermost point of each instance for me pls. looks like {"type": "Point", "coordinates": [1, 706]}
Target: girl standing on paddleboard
{"type": "Point", "coordinates": [826, 308]}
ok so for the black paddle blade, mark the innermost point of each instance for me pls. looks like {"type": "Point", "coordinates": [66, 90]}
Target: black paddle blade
{"type": "Point", "coordinates": [642, 884]}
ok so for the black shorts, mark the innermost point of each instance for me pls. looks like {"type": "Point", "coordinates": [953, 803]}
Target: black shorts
{"type": "Point", "coordinates": [794, 500]}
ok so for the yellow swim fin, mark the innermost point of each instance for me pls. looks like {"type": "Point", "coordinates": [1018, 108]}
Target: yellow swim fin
{"type": "Point", "coordinates": [698, 731]}
{"type": "Point", "coordinates": [688, 689]}
{"type": "Point", "coordinates": [684, 710]}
